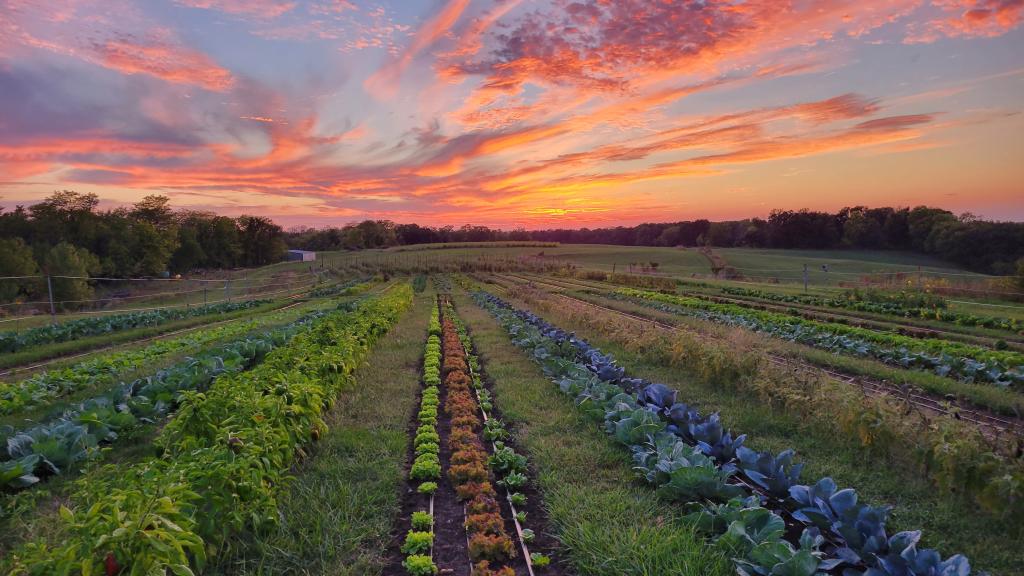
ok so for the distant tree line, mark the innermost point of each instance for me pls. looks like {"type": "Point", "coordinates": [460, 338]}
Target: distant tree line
{"type": "Point", "coordinates": [980, 245]}
{"type": "Point", "coordinates": [68, 235]}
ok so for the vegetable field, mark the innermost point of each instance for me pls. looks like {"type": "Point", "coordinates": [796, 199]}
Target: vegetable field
{"type": "Point", "coordinates": [504, 414]}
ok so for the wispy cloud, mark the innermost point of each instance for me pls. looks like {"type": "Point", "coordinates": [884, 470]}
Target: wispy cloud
{"type": "Point", "coordinates": [384, 82]}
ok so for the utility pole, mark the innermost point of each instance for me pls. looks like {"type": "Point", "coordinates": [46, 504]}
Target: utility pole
{"type": "Point", "coordinates": [53, 309]}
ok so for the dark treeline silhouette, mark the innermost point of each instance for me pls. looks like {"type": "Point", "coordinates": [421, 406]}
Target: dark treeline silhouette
{"type": "Point", "coordinates": [983, 246]}
{"type": "Point", "coordinates": [67, 235]}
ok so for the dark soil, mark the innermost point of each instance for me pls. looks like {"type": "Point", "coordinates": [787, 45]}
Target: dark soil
{"type": "Point", "coordinates": [544, 540]}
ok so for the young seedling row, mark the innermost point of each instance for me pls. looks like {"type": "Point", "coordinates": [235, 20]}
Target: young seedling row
{"type": "Point", "coordinates": [458, 521]}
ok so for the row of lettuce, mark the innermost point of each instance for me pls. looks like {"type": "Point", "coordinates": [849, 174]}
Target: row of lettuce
{"type": "Point", "coordinates": [892, 306]}
{"type": "Point", "coordinates": [491, 548]}
{"type": "Point", "coordinates": [15, 340]}
{"type": "Point", "coordinates": [225, 455]}
{"type": "Point", "coordinates": [965, 362]}
{"type": "Point", "coordinates": [509, 467]}
{"type": "Point", "coordinates": [77, 432]}
{"type": "Point", "coordinates": [751, 503]}
{"type": "Point", "coordinates": [426, 468]}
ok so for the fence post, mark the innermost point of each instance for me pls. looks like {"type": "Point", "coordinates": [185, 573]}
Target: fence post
{"type": "Point", "coordinates": [227, 290]}
{"type": "Point", "coordinates": [53, 309]}
{"type": "Point", "coordinates": [205, 288]}
{"type": "Point", "coordinates": [805, 278]}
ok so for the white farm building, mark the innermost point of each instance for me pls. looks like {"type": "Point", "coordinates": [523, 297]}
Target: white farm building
{"type": "Point", "coordinates": [301, 256]}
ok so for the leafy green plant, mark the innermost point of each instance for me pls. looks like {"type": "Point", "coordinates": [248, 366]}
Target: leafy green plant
{"type": "Point", "coordinates": [539, 560]}
{"type": "Point", "coordinates": [505, 460]}
{"type": "Point", "coordinates": [428, 448]}
{"type": "Point", "coordinates": [513, 481]}
{"type": "Point", "coordinates": [425, 467]}
{"type": "Point", "coordinates": [419, 565]}
{"type": "Point", "coordinates": [418, 542]}
{"type": "Point", "coordinates": [494, 430]}
{"type": "Point", "coordinates": [422, 521]}
{"type": "Point", "coordinates": [427, 487]}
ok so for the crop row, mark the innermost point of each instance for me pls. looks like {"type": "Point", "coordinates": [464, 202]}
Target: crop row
{"type": "Point", "coordinates": [949, 359]}
{"type": "Point", "coordinates": [892, 308]}
{"type": "Point", "coordinates": [505, 463]}
{"type": "Point", "coordinates": [12, 341]}
{"type": "Point", "coordinates": [750, 503]}
{"type": "Point", "coordinates": [341, 289]}
{"type": "Point", "coordinates": [53, 446]}
{"type": "Point", "coordinates": [953, 454]}
{"type": "Point", "coordinates": [491, 549]}
{"type": "Point", "coordinates": [426, 468]}
{"type": "Point", "coordinates": [225, 455]}
{"type": "Point", "coordinates": [105, 370]}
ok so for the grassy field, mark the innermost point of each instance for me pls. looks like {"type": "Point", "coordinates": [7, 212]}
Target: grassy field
{"type": "Point", "coordinates": [843, 265]}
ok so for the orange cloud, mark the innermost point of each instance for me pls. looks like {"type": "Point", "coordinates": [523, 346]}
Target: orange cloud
{"type": "Point", "coordinates": [969, 18]}
{"type": "Point", "coordinates": [165, 61]}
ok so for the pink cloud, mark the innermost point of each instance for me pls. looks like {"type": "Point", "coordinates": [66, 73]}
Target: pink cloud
{"type": "Point", "coordinates": [161, 59]}
{"type": "Point", "coordinates": [254, 8]}
{"type": "Point", "coordinates": [969, 19]}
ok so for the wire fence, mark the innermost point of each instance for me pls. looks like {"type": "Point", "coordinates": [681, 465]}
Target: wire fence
{"type": "Point", "coordinates": [125, 295]}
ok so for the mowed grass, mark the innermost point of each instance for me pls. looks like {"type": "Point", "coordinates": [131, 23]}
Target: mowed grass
{"type": "Point", "coordinates": [848, 265]}
{"type": "Point", "coordinates": [950, 524]}
{"type": "Point", "coordinates": [672, 261]}
{"type": "Point", "coordinates": [337, 516]}
{"type": "Point", "coordinates": [607, 522]}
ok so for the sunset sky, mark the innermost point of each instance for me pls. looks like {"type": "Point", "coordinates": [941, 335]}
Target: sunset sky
{"type": "Point", "coordinates": [530, 113]}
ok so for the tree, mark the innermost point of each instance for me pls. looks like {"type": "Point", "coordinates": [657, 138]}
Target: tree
{"type": "Point", "coordinates": [65, 216]}
{"type": "Point", "coordinates": [189, 254]}
{"type": "Point", "coordinates": [16, 260]}
{"type": "Point", "coordinates": [77, 264]}
{"type": "Point", "coordinates": [155, 210]}
{"type": "Point", "coordinates": [669, 236]}
{"type": "Point", "coordinates": [862, 231]}
{"type": "Point", "coordinates": [220, 239]}
{"type": "Point", "coordinates": [262, 241]}
{"type": "Point", "coordinates": [722, 234]}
